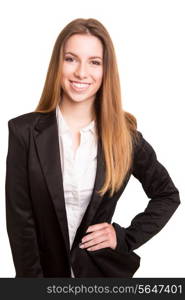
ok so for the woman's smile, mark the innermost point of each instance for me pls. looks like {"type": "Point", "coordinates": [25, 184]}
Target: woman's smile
{"type": "Point", "coordinates": [79, 87]}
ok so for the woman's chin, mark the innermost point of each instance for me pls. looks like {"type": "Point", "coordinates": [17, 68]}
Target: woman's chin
{"type": "Point", "coordinates": [79, 98]}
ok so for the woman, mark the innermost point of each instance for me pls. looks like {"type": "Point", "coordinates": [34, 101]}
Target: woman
{"type": "Point", "coordinates": [70, 160]}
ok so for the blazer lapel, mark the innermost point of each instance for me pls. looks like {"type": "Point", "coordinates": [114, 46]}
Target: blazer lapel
{"type": "Point", "coordinates": [47, 144]}
{"type": "Point", "coordinates": [46, 140]}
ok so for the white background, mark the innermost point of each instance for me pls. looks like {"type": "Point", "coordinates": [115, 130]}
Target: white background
{"type": "Point", "coordinates": [149, 39]}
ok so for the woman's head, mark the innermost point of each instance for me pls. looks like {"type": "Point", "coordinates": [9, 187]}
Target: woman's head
{"type": "Point", "coordinates": [72, 60]}
{"type": "Point", "coordinates": [81, 67]}
{"type": "Point", "coordinates": [98, 40]}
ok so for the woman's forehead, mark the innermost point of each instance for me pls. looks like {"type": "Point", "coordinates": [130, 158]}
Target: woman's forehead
{"type": "Point", "coordinates": [83, 43]}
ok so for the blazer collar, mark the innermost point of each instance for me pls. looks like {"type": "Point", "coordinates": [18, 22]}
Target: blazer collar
{"type": "Point", "coordinates": [47, 144]}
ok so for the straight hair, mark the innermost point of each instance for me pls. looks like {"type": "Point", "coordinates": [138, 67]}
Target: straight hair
{"type": "Point", "coordinates": [116, 128]}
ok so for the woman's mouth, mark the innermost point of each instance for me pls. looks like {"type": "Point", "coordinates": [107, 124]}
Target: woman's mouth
{"type": "Point", "coordinates": [79, 86]}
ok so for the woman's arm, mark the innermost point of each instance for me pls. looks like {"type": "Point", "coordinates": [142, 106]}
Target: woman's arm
{"type": "Point", "coordinates": [164, 199]}
{"type": "Point", "coordinates": [19, 215]}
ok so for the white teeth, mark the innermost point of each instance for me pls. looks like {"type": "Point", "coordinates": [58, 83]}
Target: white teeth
{"type": "Point", "coordinates": [80, 85]}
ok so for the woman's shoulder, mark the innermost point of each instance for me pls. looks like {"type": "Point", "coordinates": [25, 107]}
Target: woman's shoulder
{"type": "Point", "coordinates": [21, 125]}
{"type": "Point", "coordinates": [27, 119]}
{"type": "Point", "coordinates": [131, 121]}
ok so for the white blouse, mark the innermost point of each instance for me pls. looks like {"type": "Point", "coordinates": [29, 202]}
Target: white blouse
{"type": "Point", "coordinates": [78, 170]}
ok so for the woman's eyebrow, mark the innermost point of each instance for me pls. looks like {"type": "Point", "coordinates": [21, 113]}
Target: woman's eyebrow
{"type": "Point", "coordinates": [77, 55]}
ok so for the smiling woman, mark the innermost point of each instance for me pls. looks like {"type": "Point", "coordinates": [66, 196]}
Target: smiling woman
{"type": "Point", "coordinates": [70, 160]}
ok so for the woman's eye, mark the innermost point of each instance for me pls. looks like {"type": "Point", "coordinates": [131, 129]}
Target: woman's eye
{"type": "Point", "coordinates": [95, 62]}
{"type": "Point", "coordinates": [68, 59]}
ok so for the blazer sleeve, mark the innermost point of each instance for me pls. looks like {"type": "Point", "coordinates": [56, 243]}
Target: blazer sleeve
{"type": "Point", "coordinates": [19, 216]}
{"type": "Point", "coordinates": [164, 199]}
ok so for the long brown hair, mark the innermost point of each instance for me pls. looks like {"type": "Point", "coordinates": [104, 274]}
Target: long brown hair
{"type": "Point", "coordinates": [117, 128]}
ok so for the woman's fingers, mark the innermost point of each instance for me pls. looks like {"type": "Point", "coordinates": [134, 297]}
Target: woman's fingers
{"type": "Point", "coordinates": [102, 235]}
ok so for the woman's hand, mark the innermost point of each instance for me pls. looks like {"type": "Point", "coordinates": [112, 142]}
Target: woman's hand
{"type": "Point", "coordinates": [102, 235]}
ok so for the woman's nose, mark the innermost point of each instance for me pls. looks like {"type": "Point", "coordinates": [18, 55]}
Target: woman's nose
{"type": "Point", "coordinates": [81, 71]}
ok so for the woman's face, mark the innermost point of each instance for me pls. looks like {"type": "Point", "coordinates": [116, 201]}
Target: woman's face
{"type": "Point", "coordinates": [82, 67]}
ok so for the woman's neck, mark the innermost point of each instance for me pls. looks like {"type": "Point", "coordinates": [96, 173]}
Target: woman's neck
{"type": "Point", "coordinates": [77, 115]}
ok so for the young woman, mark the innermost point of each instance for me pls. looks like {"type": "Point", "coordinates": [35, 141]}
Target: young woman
{"type": "Point", "coordinates": [70, 160]}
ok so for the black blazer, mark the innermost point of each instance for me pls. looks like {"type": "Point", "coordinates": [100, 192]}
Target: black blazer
{"type": "Point", "coordinates": [36, 214]}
